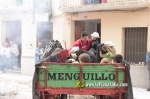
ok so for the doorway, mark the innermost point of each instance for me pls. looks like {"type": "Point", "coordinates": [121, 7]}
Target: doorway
{"type": "Point", "coordinates": [89, 26]}
{"type": "Point", "coordinates": [14, 33]}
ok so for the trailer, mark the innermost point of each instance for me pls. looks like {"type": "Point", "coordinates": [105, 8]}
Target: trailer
{"type": "Point", "coordinates": [59, 80]}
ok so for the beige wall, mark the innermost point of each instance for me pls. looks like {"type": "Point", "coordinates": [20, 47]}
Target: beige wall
{"type": "Point", "coordinates": [112, 24]}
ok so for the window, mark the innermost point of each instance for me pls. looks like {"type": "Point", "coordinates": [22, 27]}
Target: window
{"type": "Point", "coordinates": [135, 44]}
{"type": "Point", "coordinates": [89, 2]}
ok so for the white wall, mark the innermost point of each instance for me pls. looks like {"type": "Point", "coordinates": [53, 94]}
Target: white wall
{"type": "Point", "coordinates": [55, 8]}
{"type": "Point", "coordinates": [62, 25]}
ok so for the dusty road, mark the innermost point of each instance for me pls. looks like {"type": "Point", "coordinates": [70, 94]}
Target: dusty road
{"type": "Point", "coordinates": [15, 86]}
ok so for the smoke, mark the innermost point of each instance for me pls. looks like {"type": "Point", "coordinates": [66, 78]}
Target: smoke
{"type": "Point", "coordinates": [14, 15]}
{"type": "Point", "coordinates": [44, 29]}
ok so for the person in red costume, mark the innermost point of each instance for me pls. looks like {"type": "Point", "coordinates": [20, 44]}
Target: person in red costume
{"type": "Point", "coordinates": [84, 43]}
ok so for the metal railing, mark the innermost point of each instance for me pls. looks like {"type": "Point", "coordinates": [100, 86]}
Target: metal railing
{"type": "Point", "coordinates": [15, 3]}
{"type": "Point", "coordinates": [72, 3]}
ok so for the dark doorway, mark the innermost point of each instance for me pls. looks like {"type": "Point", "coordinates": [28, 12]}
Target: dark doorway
{"type": "Point", "coordinates": [79, 28]}
{"type": "Point", "coordinates": [99, 30]}
{"type": "Point", "coordinates": [14, 33]}
{"type": "Point", "coordinates": [44, 32]}
{"type": "Point", "coordinates": [89, 26]}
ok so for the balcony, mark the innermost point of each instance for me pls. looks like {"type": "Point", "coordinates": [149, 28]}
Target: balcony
{"type": "Point", "coordinates": [7, 6]}
{"type": "Point", "coordinates": [71, 6]}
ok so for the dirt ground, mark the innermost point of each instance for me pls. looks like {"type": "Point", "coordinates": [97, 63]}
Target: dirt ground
{"type": "Point", "coordinates": [15, 86]}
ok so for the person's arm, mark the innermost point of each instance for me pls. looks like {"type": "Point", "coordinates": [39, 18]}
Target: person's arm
{"type": "Point", "coordinates": [74, 45]}
{"type": "Point", "coordinates": [3, 52]}
{"type": "Point", "coordinates": [37, 52]}
{"type": "Point", "coordinates": [147, 57]}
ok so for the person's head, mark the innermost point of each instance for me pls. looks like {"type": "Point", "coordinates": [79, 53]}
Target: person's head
{"type": "Point", "coordinates": [117, 58]}
{"type": "Point", "coordinates": [84, 36]}
{"type": "Point", "coordinates": [6, 45]}
{"type": "Point", "coordinates": [105, 48]}
{"type": "Point", "coordinates": [11, 42]}
{"type": "Point", "coordinates": [95, 35]}
{"type": "Point", "coordinates": [39, 45]}
{"type": "Point", "coordinates": [105, 60]}
{"type": "Point", "coordinates": [84, 58]}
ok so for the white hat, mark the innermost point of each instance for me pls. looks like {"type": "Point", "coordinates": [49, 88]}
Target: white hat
{"type": "Point", "coordinates": [74, 49]}
{"type": "Point", "coordinates": [95, 34]}
{"type": "Point", "coordinates": [109, 43]}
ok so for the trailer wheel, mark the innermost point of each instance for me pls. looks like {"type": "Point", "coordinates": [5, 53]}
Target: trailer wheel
{"type": "Point", "coordinates": [124, 96]}
{"type": "Point", "coordinates": [97, 97]}
{"type": "Point", "coordinates": [102, 97]}
{"type": "Point", "coordinates": [63, 96]}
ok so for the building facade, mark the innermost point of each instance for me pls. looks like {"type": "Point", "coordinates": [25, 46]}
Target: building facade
{"type": "Point", "coordinates": [124, 22]}
{"type": "Point", "coordinates": [25, 22]}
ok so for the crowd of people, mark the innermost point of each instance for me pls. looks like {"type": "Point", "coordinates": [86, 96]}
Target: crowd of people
{"type": "Point", "coordinates": [9, 53]}
{"type": "Point", "coordinates": [98, 52]}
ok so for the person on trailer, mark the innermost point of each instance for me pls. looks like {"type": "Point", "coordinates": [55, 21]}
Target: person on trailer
{"type": "Point", "coordinates": [117, 58]}
{"type": "Point", "coordinates": [75, 53]}
{"type": "Point", "coordinates": [84, 58]}
{"type": "Point", "coordinates": [95, 41]}
{"type": "Point", "coordinates": [105, 50]}
{"type": "Point", "coordinates": [105, 60]}
{"type": "Point", "coordinates": [84, 43]}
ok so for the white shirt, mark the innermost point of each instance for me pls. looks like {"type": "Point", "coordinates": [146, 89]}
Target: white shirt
{"type": "Point", "coordinates": [15, 49]}
{"type": "Point", "coordinates": [6, 52]}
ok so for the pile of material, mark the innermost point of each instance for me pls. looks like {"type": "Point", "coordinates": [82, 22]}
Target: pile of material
{"type": "Point", "coordinates": [51, 46]}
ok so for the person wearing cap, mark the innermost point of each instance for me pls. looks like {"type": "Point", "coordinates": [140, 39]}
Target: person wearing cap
{"type": "Point", "coordinates": [95, 41]}
{"type": "Point", "coordinates": [84, 43]}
